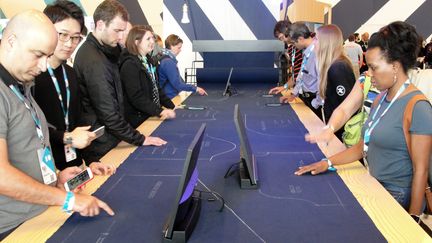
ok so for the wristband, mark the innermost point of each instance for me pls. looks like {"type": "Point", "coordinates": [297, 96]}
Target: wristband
{"type": "Point", "coordinates": [69, 202]}
{"type": "Point", "coordinates": [329, 126]}
{"type": "Point", "coordinates": [330, 165]}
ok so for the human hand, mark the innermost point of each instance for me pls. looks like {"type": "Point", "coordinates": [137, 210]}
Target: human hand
{"type": "Point", "coordinates": [276, 90]}
{"type": "Point", "coordinates": [290, 82]}
{"type": "Point", "coordinates": [81, 137]}
{"type": "Point", "coordinates": [99, 168]}
{"type": "Point", "coordinates": [287, 98]}
{"type": "Point", "coordinates": [156, 141]}
{"type": "Point", "coordinates": [315, 168]}
{"type": "Point", "coordinates": [67, 174]}
{"type": "Point", "coordinates": [167, 114]}
{"type": "Point", "coordinates": [324, 136]}
{"type": "Point", "coordinates": [90, 206]}
{"type": "Point", "coordinates": [201, 91]}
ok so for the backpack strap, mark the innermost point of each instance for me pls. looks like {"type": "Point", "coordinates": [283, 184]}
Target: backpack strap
{"type": "Point", "coordinates": [407, 118]}
{"type": "Point", "coordinates": [366, 87]}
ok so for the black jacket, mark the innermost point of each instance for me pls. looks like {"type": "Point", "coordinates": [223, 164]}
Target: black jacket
{"type": "Point", "coordinates": [340, 81]}
{"type": "Point", "coordinates": [46, 96]}
{"type": "Point", "coordinates": [137, 89]}
{"type": "Point", "coordinates": [102, 97]}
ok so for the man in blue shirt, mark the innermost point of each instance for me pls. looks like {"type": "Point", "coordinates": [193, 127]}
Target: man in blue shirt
{"type": "Point", "coordinates": [169, 75]}
{"type": "Point", "coordinates": [306, 87]}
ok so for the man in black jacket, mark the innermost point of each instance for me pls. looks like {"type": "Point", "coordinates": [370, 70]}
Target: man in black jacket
{"type": "Point", "coordinates": [96, 64]}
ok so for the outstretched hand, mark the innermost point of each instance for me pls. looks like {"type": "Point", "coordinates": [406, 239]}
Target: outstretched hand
{"type": "Point", "coordinates": [201, 91]}
{"type": "Point", "coordinates": [324, 136]}
{"type": "Point", "coordinates": [315, 168]}
{"type": "Point", "coordinates": [155, 141]}
{"type": "Point", "coordinates": [276, 90]}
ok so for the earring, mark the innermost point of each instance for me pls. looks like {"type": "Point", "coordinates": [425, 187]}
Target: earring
{"type": "Point", "coordinates": [394, 78]}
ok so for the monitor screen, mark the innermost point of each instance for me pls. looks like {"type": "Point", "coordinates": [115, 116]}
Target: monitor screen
{"type": "Point", "coordinates": [246, 155]}
{"type": "Point", "coordinates": [227, 90]}
{"type": "Point", "coordinates": [188, 180]}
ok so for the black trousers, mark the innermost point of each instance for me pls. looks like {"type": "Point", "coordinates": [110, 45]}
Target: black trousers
{"type": "Point", "coordinates": [307, 98]}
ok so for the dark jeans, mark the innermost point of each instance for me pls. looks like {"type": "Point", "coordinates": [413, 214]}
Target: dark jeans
{"type": "Point", "coordinates": [400, 194]}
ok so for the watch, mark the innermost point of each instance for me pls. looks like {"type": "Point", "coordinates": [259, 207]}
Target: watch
{"type": "Point", "coordinates": [330, 165]}
{"type": "Point", "coordinates": [67, 139]}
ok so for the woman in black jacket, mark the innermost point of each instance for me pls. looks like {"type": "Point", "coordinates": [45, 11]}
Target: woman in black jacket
{"type": "Point", "coordinates": [143, 95]}
{"type": "Point", "coordinates": [335, 70]}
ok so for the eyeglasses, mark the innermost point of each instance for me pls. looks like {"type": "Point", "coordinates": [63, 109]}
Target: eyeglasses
{"type": "Point", "coordinates": [64, 37]}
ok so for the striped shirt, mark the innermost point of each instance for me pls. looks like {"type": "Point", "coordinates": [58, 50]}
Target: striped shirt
{"type": "Point", "coordinates": [298, 58]}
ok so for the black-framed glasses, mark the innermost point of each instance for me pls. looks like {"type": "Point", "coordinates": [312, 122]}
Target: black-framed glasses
{"type": "Point", "coordinates": [65, 37]}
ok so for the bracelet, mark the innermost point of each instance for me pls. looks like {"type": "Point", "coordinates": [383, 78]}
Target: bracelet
{"type": "Point", "coordinates": [69, 202]}
{"type": "Point", "coordinates": [286, 86]}
{"type": "Point", "coordinates": [329, 126]}
{"type": "Point", "coordinates": [330, 165]}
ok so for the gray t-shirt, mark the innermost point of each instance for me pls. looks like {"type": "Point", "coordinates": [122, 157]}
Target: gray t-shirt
{"type": "Point", "coordinates": [18, 129]}
{"type": "Point", "coordinates": [353, 51]}
{"type": "Point", "coordinates": [388, 157]}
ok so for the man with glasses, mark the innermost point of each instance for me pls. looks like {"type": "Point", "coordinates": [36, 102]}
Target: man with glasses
{"type": "Point", "coordinates": [96, 63]}
{"type": "Point", "coordinates": [29, 181]}
{"type": "Point", "coordinates": [306, 87]}
{"type": "Point", "coordinates": [291, 59]}
{"type": "Point", "coordinates": [56, 92]}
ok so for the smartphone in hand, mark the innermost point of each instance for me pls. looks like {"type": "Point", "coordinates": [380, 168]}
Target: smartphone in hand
{"type": "Point", "coordinates": [79, 180]}
{"type": "Point", "coordinates": [99, 131]}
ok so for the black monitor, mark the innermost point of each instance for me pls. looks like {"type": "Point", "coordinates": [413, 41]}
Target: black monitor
{"type": "Point", "coordinates": [187, 205]}
{"type": "Point", "coordinates": [247, 166]}
{"type": "Point", "coordinates": [228, 90]}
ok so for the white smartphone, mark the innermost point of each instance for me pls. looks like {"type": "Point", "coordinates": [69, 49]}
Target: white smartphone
{"type": "Point", "coordinates": [79, 180]}
{"type": "Point", "coordinates": [99, 131]}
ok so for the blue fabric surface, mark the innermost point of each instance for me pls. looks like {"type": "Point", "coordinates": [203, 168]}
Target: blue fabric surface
{"type": "Point", "coordinates": [285, 208]}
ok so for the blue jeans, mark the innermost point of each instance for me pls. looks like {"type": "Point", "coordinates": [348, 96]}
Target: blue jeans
{"type": "Point", "coordinates": [400, 194]}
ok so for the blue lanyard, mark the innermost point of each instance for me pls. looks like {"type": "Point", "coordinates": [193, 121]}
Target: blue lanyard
{"type": "Point", "coordinates": [303, 66]}
{"type": "Point", "coordinates": [57, 87]}
{"type": "Point", "coordinates": [370, 126]}
{"type": "Point", "coordinates": [150, 69]}
{"type": "Point", "coordinates": [293, 56]}
{"type": "Point", "coordinates": [33, 112]}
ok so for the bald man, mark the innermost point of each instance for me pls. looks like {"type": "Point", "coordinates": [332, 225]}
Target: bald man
{"type": "Point", "coordinates": [28, 178]}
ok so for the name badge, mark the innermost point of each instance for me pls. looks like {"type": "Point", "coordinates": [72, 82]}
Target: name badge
{"type": "Point", "coordinates": [46, 163]}
{"type": "Point", "coordinates": [70, 153]}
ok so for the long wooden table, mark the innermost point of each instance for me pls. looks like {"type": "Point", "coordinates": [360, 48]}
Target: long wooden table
{"type": "Point", "coordinates": [390, 218]}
